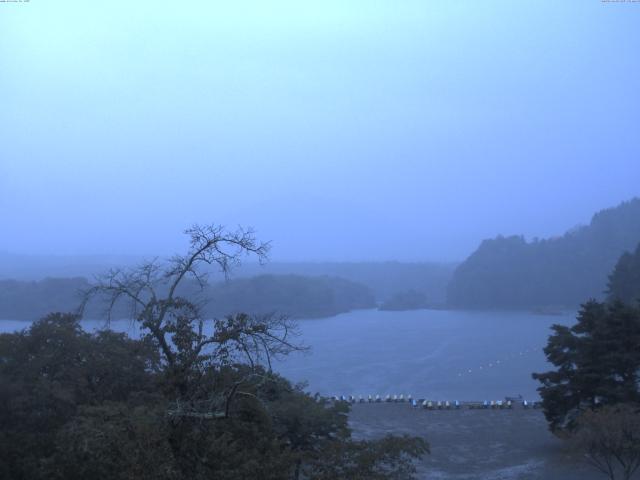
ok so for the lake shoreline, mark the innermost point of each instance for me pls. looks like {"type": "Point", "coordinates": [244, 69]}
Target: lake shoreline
{"type": "Point", "coordinates": [553, 311]}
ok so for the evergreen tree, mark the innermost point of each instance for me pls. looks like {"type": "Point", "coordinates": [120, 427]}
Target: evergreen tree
{"type": "Point", "coordinates": [597, 360]}
{"type": "Point", "coordinates": [624, 282]}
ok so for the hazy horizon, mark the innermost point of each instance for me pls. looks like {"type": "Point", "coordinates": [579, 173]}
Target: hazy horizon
{"type": "Point", "coordinates": [132, 258]}
{"type": "Point", "coordinates": [366, 131]}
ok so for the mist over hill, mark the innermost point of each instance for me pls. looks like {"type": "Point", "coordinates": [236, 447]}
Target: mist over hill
{"type": "Point", "coordinates": [38, 267]}
{"type": "Point", "coordinates": [510, 272]}
{"type": "Point", "coordinates": [32, 300]}
{"type": "Point", "coordinates": [385, 279]}
{"type": "Point", "coordinates": [292, 295]}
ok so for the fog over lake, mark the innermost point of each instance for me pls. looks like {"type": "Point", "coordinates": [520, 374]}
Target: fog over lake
{"type": "Point", "coordinates": [283, 205]}
{"type": "Point", "coordinates": [437, 354]}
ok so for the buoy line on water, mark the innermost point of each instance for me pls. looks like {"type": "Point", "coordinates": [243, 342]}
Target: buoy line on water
{"type": "Point", "coordinates": [498, 363]}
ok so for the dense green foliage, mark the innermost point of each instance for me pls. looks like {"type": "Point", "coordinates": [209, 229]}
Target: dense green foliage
{"type": "Point", "coordinates": [292, 295]}
{"type": "Point", "coordinates": [624, 282]}
{"type": "Point", "coordinates": [597, 362]}
{"type": "Point", "coordinates": [75, 405]}
{"type": "Point", "coordinates": [407, 300]}
{"type": "Point", "coordinates": [509, 272]}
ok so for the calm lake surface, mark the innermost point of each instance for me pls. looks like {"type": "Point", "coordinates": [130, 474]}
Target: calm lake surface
{"type": "Point", "coordinates": [437, 354]}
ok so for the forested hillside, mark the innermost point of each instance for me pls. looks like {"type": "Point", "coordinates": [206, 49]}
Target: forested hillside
{"type": "Point", "coordinates": [292, 295]}
{"type": "Point", "coordinates": [624, 282]}
{"type": "Point", "coordinates": [385, 279]}
{"type": "Point", "coordinates": [510, 272]}
{"type": "Point", "coordinates": [21, 300]}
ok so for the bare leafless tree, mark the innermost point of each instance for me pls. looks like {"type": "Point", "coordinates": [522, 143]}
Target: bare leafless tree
{"type": "Point", "coordinates": [609, 437]}
{"type": "Point", "coordinates": [187, 341]}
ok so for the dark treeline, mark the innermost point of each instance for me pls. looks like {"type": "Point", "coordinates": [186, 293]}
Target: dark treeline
{"type": "Point", "coordinates": [509, 272]}
{"type": "Point", "coordinates": [31, 300]}
{"type": "Point", "coordinates": [292, 295]}
{"type": "Point", "coordinates": [383, 278]}
{"type": "Point", "coordinates": [624, 282]}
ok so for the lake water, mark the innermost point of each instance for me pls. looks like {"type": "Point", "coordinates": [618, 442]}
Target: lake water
{"type": "Point", "coordinates": [437, 354]}
{"type": "Point", "coordinates": [434, 354]}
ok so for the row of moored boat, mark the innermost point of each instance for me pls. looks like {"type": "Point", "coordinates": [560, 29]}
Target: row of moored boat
{"type": "Point", "coordinates": [439, 404]}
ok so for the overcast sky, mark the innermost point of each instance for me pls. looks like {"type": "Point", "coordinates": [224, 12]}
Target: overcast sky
{"type": "Point", "coordinates": [340, 130]}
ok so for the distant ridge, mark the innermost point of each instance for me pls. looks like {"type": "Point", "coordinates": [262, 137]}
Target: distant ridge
{"type": "Point", "coordinates": [509, 272]}
{"type": "Point", "coordinates": [383, 278]}
{"type": "Point", "coordinates": [293, 295]}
